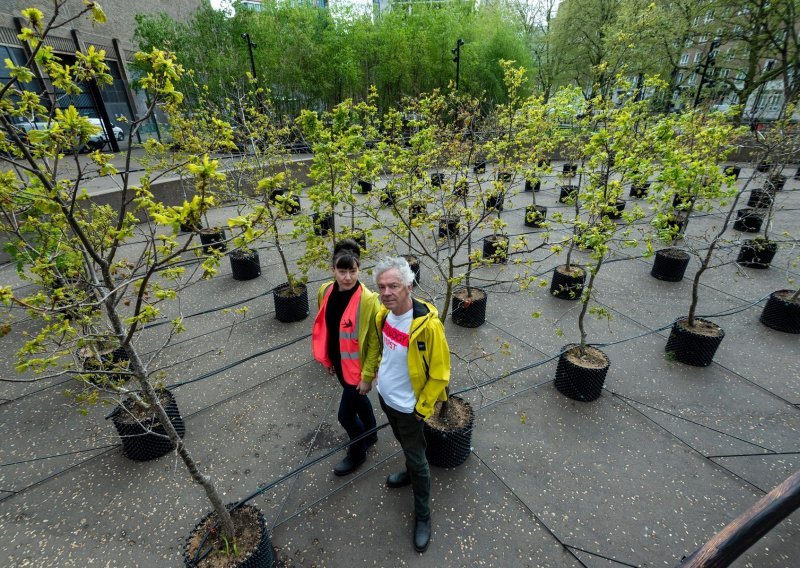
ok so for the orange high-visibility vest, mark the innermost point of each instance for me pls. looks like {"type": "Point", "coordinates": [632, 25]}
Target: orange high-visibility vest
{"type": "Point", "coordinates": [348, 338]}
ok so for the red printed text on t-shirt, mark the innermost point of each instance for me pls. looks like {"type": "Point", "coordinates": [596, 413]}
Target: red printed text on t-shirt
{"type": "Point", "coordinates": [394, 337]}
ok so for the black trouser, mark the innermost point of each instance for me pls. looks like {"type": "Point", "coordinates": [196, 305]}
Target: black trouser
{"type": "Point", "coordinates": [356, 417]}
{"type": "Point", "coordinates": [409, 432]}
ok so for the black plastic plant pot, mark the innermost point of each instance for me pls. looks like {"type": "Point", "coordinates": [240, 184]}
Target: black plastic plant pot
{"type": "Point", "coordinates": [696, 346]}
{"type": "Point", "coordinates": [757, 253]}
{"type": "Point", "coordinates": [530, 186]}
{"type": "Point", "coordinates": [682, 200]}
{"type": "Point", "coordinates": [761, 198]}
{"type": "Point", "coordinates": [245, 265]}
{"type": "Point", "coordinates": [387, 197]}
{"type": "Point", "coordinates": [670, 264]}
{"type": "Point", "coordinates": [581, 377]}
{"type": "Point", "coordinates": [360, 237]}
{"type": "Point", "coordinates": [290, 206]}
{"type": "Point", "coordinates": [535, 215]}
{"type": "Point", "coordinates": [413, 263]}
{"type": "Point", "coordinates": [449, 446]}
{"type": "Point", "coordinates": [469, 307]}
{"type": "Point", "coordinates": [639, 190]}
{"type": "Point", "coordinates": [416, 211]}
{"type": "Point", "coordinates": [747, 221]}
{"type": "Point", "coordinates": [290, 305]}
{"type": "Point", "coordinates": [200, 544]}
{"type": "Point", "coordinates": [364, 186]}
{"type": "Point", "coordinates": [437, 179]}
{"type": "Point", "coordinates": [764, 166]}
{"type": "Point", "coordinates": [797, 174]}
{"type": "Point", "coordinates": [567, 285]}
{"type": "Point", "coordinates": [479, 167]}
{"type": "Point", "coordinates": [322, 225]}
{"type": "Point", "coordinates": [213, 239]}
{"type": "Point", "coordinates": [495, 202]}
{"type": "Point", "coordinates": [505, 177]}
{"type": "Point", "coordinates": [448, 227]}
{"type": "Point", "coordinates": [781, 313]}
{"type": "Point", "coordinates": [776, 182]}
{"type": "Point", "coordinates": [144, 439]}
{"type": "Point", "coordinates": [495, 249]}
{"type": "Point", "coordinates": [190, 226]}
{"type": "Point", "coordinates": [569, 170]}
{"type": "Point", "coordinates": [615, 211]}
{"type": "Point", "coordinates": [733, 171]}
{"type": "Point", "coordinates": [567, 192]}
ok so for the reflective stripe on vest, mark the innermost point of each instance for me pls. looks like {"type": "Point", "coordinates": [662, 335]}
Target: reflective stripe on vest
{"type": "Point", "coordinates": [348, 340]}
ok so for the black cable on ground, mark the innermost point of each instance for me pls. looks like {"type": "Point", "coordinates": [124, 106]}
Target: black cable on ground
{"type": "Point", "coordinates": [525, 505]}
{"type": "Point", "coordinates": [42, 458]}
{"type": "Point", "coordinates": [687, 444]}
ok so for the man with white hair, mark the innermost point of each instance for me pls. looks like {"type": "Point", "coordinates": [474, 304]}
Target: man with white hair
{"type": "Point", "coordinates": [413, 374]}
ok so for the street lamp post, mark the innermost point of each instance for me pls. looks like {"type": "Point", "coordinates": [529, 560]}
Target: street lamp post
{"type": "Point", "coordinates": [457, 52]}
{"type": "Point", "coordinates": [710, 61]}
{"type": "Point", "coordinates": [250, 46]}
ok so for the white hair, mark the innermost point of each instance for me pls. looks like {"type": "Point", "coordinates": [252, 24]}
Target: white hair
{"type": "Point", "coordinates": [394, 263]}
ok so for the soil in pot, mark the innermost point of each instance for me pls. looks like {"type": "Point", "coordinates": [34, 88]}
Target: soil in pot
{"type": "Point", "coordinates": [448, 227]}
{"type": "Point", "coordinates": [567, 284]}
{"type": "Point", "coordinates": [245, 264]}
{"type": "Point", "coordinates": [143, 437]}
{"type": "Point", "coordinates": [461, 188]}
{"type": "Point", "coordinates": [479, 167]}
{"type": "Point", "coordinates": [417, 211]}
{"type": "Point", "coordinates": [213, 239]}
{"type": "Point", "coordinates": [469, 307]}
{"type": "Point", "coordinates": [413, 263]}
{"type": "Point", "coordinates": [437, 179]}
{"type": "Point", "coordinates": [694, 345]}
{"type": "Point", "coordinates": [253, 544]}
{"type": "Point", "coordinates": [781, 312]}
{"type": "Point", "coordinates": [448, 433]}
{"type": "Point", "coordinates": [670, 264]}
{"type": "Point", "coordinates": [581, 375]}
{"type": "Point", "coordinates": [567, 193]}
{"type": "Point", "coordinates": [757, 253]}
{"type": "Point", "coordinates": [747, 221]}
{"type": "Point", "coordinates": [639, 190]}
{"type": "Point", "coordinates": [531, 186]}
{"type": "Point", "coordinates": [495, 249]}
{"type": "Point", "coordinates": [106, 360]}
{"type": "Point", "coordinates": [290, 305]}
{"type": "Point", "coordinates": [535, 215]}
{"type": "Point", "coordinates": [504, 177]}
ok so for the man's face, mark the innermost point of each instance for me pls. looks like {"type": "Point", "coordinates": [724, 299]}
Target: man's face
{"type": "Point", "coordinates": [394, 295]}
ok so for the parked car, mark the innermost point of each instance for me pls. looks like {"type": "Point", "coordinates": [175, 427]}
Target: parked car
{"type": "Point", "coordinates": [96, 141]}
{"type": "Point", "coordinates": [116, 130]}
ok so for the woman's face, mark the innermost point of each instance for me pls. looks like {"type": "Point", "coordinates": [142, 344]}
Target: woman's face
{"type": "Point", "coordinates": [346, 278]}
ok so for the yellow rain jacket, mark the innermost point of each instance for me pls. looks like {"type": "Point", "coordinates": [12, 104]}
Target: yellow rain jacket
{"type": "Point", "coordinates": [428, 355]}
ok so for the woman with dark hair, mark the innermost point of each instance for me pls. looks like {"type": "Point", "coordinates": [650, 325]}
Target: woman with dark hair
{"type": "Point", "coordinates": [345, 340]}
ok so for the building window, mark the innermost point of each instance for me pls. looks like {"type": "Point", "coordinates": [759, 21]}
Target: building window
{"type": "Point", "coordinates": [703, 38]}
{"type": "Point", "coordinates": [698, 56]}
{"type": "Point", "coordinates": [684, 59]}
{"type": "Point", "coordinates": [773, 102]}
{"type": "Point", "coordinates": [709, 16]}
{"type": "Point", "coordinates": [723, 73]}
{"type": "Point", "coordinates": [679, 78]}
{"type": "Point", "coordinates": [740, 76]}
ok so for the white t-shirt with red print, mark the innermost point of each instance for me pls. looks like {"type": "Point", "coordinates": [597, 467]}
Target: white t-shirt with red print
{"type": "Point", "coordinates": [394, 382]}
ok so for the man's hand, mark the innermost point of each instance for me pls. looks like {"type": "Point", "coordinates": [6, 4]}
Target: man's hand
{"type": "Point", "coordinates": [364, 387]}
{"type": "Point", "coordinates": [331, 371]}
